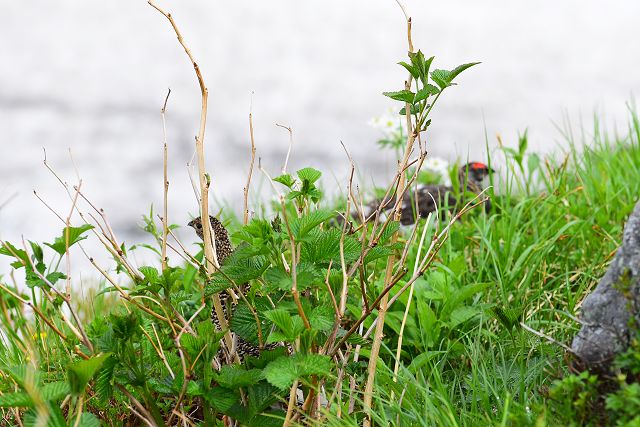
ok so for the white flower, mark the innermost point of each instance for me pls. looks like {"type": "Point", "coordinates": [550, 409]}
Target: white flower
{"type": "Point", "coordinates": [390, 123]}
{"type": "Point", "coordinates": [438, 166]}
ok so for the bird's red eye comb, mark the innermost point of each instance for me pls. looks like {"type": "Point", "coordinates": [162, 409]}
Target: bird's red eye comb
{"type": "Point", "coordinates": [478, 165]}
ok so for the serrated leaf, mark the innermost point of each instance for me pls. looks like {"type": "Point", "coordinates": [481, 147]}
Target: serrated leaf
{"type": "Point", "coordinates": [150, 274]}
{"type": "Point", "coordinates": [221, 398]}
{"type": "Point", "coordinates": [20, 254]}
{"type": "Point", "coordinates": [16, 400]}
{"type": "Point", "coordinates": [260, 397]}
{"type": "Point", "coordinates": [55, 391]}
{"type": "Point", "coordinates": [425, 92]}
{"type": "Point", "coordinates": [236, 376]}
{"type": "Point", "coordinates": [54, 277]}
{"type": "Point", "coordinates": [300, 227]}
{"type": "Point", "coordinates": [286, 180]}
{"type": "Point", "coordinates": [241, 267]}
{"type": "Point", "coordinates": [386, 234]}
{"type": "Point", "coordinates": [281, 318]}
{"type": "Point", "coordinates": [309, 174]}
{"type": "Point", "coordinates": [414, 110]}
{"type": "Point", "coordinates": [88, 420]}
{"type": "Point", "coordinates": [79, 373]}
{"type": "Point", "coordinates": [104, 379]}
{"type": "Point", "coordinates": [459, 69]}
{"type": "Point", "coordinates": [192, 345]}
{"type": "Point", "coordinates": [283, 371]}
{"type": "Point", "coordinates": [38, 255]}
{"type": "Point", "coordinates": [322, 318]}
{"type": "Point", "coordinates": [70, 235]}
{"type": "Point", "coordinates": [444, 78]}
{"type": "Point", "coordinates": [401, 95]}
{"type": "Point", "coordinates": [323, 246]}
{"type": "Point", "coordinates": [382, 252]}
{"type": "Point", "coordinates": [244, 324]}
{"type": "Point", "coordinates": [441, 77]}
{"type": "Point", "coordinates": [413, 70]}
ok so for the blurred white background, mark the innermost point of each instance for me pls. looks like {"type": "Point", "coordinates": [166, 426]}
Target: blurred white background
{"type": "Point", "coordinates": [91, 76]}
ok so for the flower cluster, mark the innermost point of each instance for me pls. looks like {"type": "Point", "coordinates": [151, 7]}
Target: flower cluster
{"type": "Point", "coordinates": [435, 170]}
{"type": "Point", "coordinates": [438, 166]}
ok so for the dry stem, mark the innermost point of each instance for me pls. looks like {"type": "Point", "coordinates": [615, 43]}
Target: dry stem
{"type": "Point", "coordinates": [211, 263]}
{"type": "Point", "coordinates": [165, 226]}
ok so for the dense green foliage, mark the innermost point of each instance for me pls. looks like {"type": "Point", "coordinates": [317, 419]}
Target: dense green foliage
{"type": "Point", "coordinates": [465, 358]}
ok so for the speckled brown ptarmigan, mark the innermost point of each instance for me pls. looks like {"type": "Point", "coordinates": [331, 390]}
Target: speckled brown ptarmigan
{"type": "Point", "coordinates": [419, 202]}
{"type": "Point", "coordinates": [223, 250]}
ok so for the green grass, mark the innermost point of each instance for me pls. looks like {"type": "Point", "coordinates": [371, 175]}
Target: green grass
{"type": "Point", "coordinates": [537, 254]}
{"type": "Point", "coordinates": [554, 225]}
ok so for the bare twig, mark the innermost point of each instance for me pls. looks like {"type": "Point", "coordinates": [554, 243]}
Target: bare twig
{"type": "Point", "coordinates": [286, 160]}
{"type": "Point", "coordinates": [211, 263]}
{"type": "Point", "coordinates": [251, 163]}
{"type": "Point", "coordinates": [165, 218]}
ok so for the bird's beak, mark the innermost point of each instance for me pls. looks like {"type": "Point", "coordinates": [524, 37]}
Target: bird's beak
{"type": "Point", "coordinates": [191, 223]}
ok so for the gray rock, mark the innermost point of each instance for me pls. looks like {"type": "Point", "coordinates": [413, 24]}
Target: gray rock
{"type": "Point", "coordinates": [609, 311]}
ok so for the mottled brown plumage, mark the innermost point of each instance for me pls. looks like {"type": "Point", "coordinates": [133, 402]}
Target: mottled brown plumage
{"type": "Point", "coordinates": [223, 244]}
{"type": "Point", "coordinates": [429, 197]}
{"type": "Point", "coordinates": [223, 250]}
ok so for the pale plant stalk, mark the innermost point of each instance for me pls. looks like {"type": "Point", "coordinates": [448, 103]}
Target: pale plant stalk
{"type": "Point", "coordinates": [165, 154]}
{"type": "Point", "coordinates": [377, 339]}
{"type": "Point", "coordinates": [409, 300]}
{"type": "Point", "coordinates": [286, 160]}
{"type": "Point", "coordinates": [250, 174]}
{"type": "Point", "coordinates": [211, 263]}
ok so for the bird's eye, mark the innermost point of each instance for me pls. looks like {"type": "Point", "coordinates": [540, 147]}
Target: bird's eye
{"type": "Point", "coordinates": [199, 225]}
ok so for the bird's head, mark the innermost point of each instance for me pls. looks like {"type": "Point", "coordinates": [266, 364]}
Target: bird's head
{"type": "Point", "coordinates": [196, 223]}
{"type": "Point", "coordinates": [474, 174]}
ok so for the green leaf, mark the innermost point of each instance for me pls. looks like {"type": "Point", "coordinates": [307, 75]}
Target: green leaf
{"type": "Point", "coordinates": [236, 376]}
{"type": "Point", "coordinates": [300, 227]}
{"type": "Point", "coordinates": [55, 391]}
{"type": "Point", "coordinates": [16, 400]}
{"type": "Point", "coordinates": [413, 70]}
{"type": "Point", "coordinates": [290, 326]}
{"type": "Point", "coordinates": [241, 267]}
{"type": "Point", "coordinates": [88, 420]}
{"type": "Point", "coordinates": [104, 379]}
{"type": "Point", "coordinates": [150, 274]}
{"type": "Point", "coordinates": [55, 276]}
{"type": "Point", "coordinates": [38, 255]}
{"type": "Point", "coordinates": [323, 246]}
{"type": "Point", "coordinates": [459, 69]}
{"type": "Point", "coordinates": [462, 314]}
{"type": "Point", "coordinates": [401, 95]}
{"type": "Point", "coordinates": [286, 180]}
{"type": "Point", "coordinates": [20, 254]}
{"type": "Point", "coordinates": [244, 324]}
{"type": "Point", "coordinates": [322, 318]}
{"type": "Point", "coordinates": [260, 397]}
{"type": "Point", "coordinates": [283, 371]}
{"type": "Point", "coordinates": [444, 78]}
{"type": "Point", "coordinates": [221, 398]}
{"type": "Point", "coordinates": [413, 110]}
{"type": "Point", "coordinates": [51, 417]}
{"type": "Point", "coordinates": [81, 372]}
{"type": "Point", "coordinates": [309, 174]}
{"type": "Point", "coordinates": [441, 77]}
{"type": "Point", "coordinates": [282, 319]}
{"type": "Point", "coordinates": [72, 235]}
{"type": "Point", "coordinates": [425, 92]}
{"type": "Point", "coordinates": [386, 234]}
{"type": "Point", "coordinates": [192, 344]}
